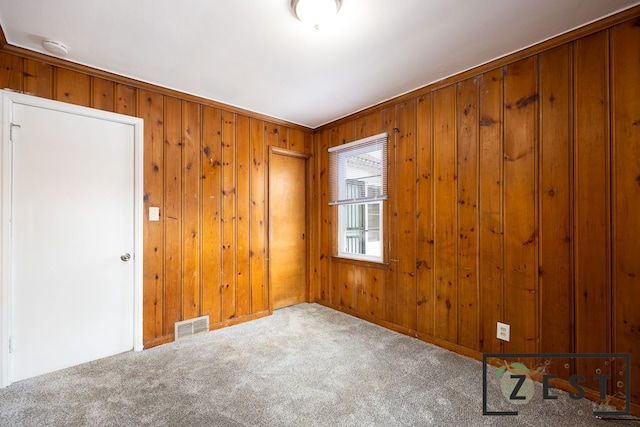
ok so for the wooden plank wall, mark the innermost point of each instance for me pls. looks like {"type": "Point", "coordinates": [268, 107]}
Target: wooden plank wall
{"type": "Point", "coordinates": [514, 197]}
{"type": "Point", "coordinates": [206, 168]}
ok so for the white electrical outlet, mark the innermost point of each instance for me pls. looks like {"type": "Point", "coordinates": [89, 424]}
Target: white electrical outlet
{"type": "Point", "coordinates": [503, 331]}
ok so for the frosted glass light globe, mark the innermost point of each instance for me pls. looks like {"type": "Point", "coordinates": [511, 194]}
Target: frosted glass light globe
{"type": "Point", "coordinates": [315, 12]}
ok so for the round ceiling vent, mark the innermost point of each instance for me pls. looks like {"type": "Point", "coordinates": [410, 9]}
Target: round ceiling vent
{"type": "Point", "coordinates": [55, 47]}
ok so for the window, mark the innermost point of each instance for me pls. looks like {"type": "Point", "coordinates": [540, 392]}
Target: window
{"type": "Point", "coordinates": [358, 185]}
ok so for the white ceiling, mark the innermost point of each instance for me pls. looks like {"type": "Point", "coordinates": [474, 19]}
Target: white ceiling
{"type": "Point", "coordinates": [256, 55]}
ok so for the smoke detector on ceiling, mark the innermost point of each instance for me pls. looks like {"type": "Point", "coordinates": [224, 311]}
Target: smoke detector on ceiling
{"type": "Point", "coordinates": [55, 47]}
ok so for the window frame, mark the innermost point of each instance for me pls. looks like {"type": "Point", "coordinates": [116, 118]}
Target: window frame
{"type": "Point", "coordinates": [342, 198]}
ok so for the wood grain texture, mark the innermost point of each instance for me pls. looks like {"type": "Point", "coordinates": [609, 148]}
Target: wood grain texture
{"type": "Point", "coordinates": [211, 213]}
{"type": "Point", "coordinates": [38, 78]}
{"type": "Point", "coordinates": [467, 157]}
{"type": "Point", "coordinates": [243, 217]}
{"type": "Point", "coordinates": [172, 209]}
{"type": "Point", "coordinates": [324, 222]}
{"type": "Point", "coordinates": [556, 234]}
{"type": "Point", "coordinates": [191, 195]}
{"type": "Point", "coordinates": [424, 215]}
{"type": "Point", "coordinates": [126, 100]}
{"type": "Point", "coordinates": [520, 198]}
{"type": "Point", "coordinates": [406, 214]}
{"type": "Point", "coordinates": [11, 72]}
{"type": "Point", "coordinates": [102, 94]}
{"type": "Point", "coordinates": [151, 110]}
{"type": "Point", "coordinates": [625, 64]}
{"type": "Point", "coordinates": [228, 216]}
{"type": "Point", "coordinates": [592, 199]}
{"type": "Point", "coordinates": [445, 215]}
{"type": "Point", "coordinates": [72, 87]}
{"type": "Point", "coordinates": [287, 229]}
{"type": "Point", "coordinates": [491, 187]}
{"type": "Point", "coordinates": [526, 178]}
{"type": "Point", "coordinates": [257, 252]}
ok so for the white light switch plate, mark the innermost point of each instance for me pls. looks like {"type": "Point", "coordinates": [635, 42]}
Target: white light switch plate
{"type": "Point", "coordinates": [154, 214]}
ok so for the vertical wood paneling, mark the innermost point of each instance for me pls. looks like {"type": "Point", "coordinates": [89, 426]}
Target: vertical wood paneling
{"type": "Point", "coordinates": [11, 72]}
{"type": "Point", "coordinates": [211, 208]}
{"type": "Point", "coordinates": [243, 216]}
{"type": "Point", "coordinates": [296, 140]}
{"type": "Point", "coordinates": [326, 227]}
{"type": "Point", "coordinates": [345, 289]}
{"type": "Point", "coordinates": [467, 119]}
{"type": "Point", "coordinates": [72, 87]}
{"type": "Point", "coordinates": [102, 94]}
{"type": "Point", "coordinates": [390, 213]}
{"type": "Point", "coordinates": [38, 78]}
{"type": "Point", "coordinates": [258, 230]}
{"type": "Point", "coordinates": [183, 176]}
{"type": "Point", "coordinates": [314, 214]}
{"type": "Point", "coordinates": [445, 214]}
{"type": "Point", "coordinates": [591, 216]}
{"type": "Point", "coordinates": [585, 182]}
{"type": "Point", "coordinates": [424, 215]}
{"type": "Point", "coordinates": [520, 221]}
{"type": "Point", "coordinates": [406, 214]}
{"type": "Point", "coordinates": [191, 140]}
{"type": "Point", "coordinates": [228, 216]}
{"type": "Point", "coordinates": [172, 213]}
{"type": "Point", "coordinates": [274, 137]}
{"type": "Point", "coordinates": [151, 110]}
{"type": "Point", "coordinates": [373, 281]}
{"type": "Point", "coordinates": [625, 45]}
{"type": "Point", "coordinates": [556, 314]}
{"type": "Point", "coordinates": [126, 100]}
{"type": "Point", "coordinates": [491, 225]}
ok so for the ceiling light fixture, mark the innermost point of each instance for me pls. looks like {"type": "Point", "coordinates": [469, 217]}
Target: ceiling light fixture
{"type": "Point", "coordinates": [315, 12]}
{"type": "Point", "coordinates": [55, 47]}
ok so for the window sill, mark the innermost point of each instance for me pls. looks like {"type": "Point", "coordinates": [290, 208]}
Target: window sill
{"type": "Point", "coordinates": [360, 262]}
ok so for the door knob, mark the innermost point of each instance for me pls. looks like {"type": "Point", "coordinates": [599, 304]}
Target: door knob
{"type": "Point", "coordinates": [125, 257]}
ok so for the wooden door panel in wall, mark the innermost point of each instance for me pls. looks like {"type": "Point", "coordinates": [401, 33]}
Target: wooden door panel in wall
{"type": "Point", "coordinates": [287, 223]}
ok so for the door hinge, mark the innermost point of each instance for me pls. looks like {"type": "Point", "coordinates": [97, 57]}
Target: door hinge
{"type": "Point", "coordinates": [11, 126]}
{"type": "Point", "coordinates": [10, 345]}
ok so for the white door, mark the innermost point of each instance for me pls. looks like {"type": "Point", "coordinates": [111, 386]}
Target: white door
{"type": "Point", "coordinates": [72, 225]}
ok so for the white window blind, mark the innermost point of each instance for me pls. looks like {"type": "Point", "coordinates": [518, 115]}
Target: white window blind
{"type": "Point", "coordinates": [358, 171]}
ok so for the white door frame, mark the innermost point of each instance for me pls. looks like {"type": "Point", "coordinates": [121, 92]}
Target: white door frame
{"type": "Point", "coordinates": [8, 99]}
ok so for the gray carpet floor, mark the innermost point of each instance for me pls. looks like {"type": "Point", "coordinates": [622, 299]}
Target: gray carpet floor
{"type": "Point", "coordinates": [306, 365]}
